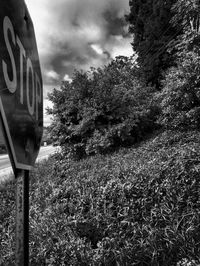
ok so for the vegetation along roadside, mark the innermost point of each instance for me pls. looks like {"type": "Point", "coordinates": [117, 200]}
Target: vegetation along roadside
{"type": "Point", "coordinates": [125, 187]}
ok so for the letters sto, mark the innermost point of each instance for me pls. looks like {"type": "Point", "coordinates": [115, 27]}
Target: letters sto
{"type": "Point", "coordinates": [21, 94]}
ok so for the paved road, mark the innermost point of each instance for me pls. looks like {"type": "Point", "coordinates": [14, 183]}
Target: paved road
{"type": "Point", "coordinates": [4, 162]}
{"type": "Point", "coordinates": [5, 165]}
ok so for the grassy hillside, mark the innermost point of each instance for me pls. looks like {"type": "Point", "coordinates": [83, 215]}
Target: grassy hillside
{"type": "Point", "coordinates": [138, 206]}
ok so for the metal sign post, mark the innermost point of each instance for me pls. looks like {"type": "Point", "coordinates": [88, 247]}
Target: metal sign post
{"type": "Point", "coordinates": [22, 218]}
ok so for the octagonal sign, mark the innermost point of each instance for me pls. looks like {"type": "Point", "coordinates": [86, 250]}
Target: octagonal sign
{"type": "Point", "coordinates": [21, 96]}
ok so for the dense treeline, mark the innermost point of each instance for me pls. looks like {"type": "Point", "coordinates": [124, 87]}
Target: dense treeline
{"type": "Point", "coordinates": [115, 105]}
{"type": "Point", "coordinates": [120, 105]}
{"type": "Point", "coordinates": [150, 23]}
{"type": "Point", "coordinates": [103, 109]}
{"type": "Point", "coordinates": [138, 203]}
{"type": "Point", "coordinates": [158, 27]}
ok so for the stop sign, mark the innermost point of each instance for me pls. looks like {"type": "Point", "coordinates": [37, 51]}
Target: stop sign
{"type": "Point", "coordinates": [21, 95]}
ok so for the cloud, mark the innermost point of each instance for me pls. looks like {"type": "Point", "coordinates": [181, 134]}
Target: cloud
{"type": "Point", "coordinates": [119, 45]}
{"type": "Point", "coordinates": [52, 75]}
{"type": "Point", "coordinates": [97, 49]}
{"type": "Point", "coordinates": [78, 34]}
{"type": "Point", "coordinates": [67, 78]}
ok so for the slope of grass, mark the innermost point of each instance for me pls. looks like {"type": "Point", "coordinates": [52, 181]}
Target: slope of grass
{"type": "Point", "coordinates": [139, 206]}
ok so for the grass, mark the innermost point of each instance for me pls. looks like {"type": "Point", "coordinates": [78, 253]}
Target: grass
{"type": "Point", "coordinates": [138, 206]}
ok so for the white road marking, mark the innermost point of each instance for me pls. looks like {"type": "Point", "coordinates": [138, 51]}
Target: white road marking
{"type": "Point", "coordinates": [7, 172]}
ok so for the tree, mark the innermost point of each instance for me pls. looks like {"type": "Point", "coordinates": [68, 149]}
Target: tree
{"type": "Point", "coordinates": [152, 31]}
{"type": "Point", "coordinates": [186, 15]}
{"type": "Point", "coordinates": [102, 109]}
{"type": "Point", "coordinates": [180, 98]}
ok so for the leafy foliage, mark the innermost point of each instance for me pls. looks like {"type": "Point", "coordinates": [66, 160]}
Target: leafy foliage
{"type": "Point", "coordinates": [152, 31]}
{"type": "Point", "coordinates": [139, 205]}
{"type": "Point", "coordinates": [186, 13]}
{"type": "Point", "coordinates": [46, 136]}
{"type": "Point", "coordinates": [180, 97]}
{"type": "Point", "coordinates": [102, 110]}
{"type": "Point", "coordinates": [185, 17]}
{"type": "Point", "coordinates": [134, 207]}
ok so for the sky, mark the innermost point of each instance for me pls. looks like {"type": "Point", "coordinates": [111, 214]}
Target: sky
{"type": "Point", "coordinates": [77, 34]}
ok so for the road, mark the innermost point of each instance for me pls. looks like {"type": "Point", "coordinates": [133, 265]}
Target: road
{"type": "Point", "coordinates": [5, 166]}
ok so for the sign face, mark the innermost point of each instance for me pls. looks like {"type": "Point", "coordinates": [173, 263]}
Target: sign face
{"type": "Point", "coordinates": [21, 95]}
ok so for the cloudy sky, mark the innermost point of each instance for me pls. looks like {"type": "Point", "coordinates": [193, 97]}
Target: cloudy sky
{"type": "Point", "coordinates": [77, 34]}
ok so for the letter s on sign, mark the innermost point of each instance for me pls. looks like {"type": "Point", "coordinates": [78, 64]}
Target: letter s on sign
{"type": "Point", "coordinates": [11, 84]}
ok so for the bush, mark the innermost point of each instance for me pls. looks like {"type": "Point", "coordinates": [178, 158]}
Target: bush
{"type": "Point", "coordinates": [102, 110]}
{"type": "Point", "coordinates": [180, 97]}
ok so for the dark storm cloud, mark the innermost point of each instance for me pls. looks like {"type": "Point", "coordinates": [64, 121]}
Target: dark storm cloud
{"type": "Point", "coordinates": [81, 34]}
{"type": "Point", "coordinates": [77, 34]}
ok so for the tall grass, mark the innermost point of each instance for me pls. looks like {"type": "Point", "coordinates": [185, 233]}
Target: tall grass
{"type": "Point", "coordinates": [138, 206]}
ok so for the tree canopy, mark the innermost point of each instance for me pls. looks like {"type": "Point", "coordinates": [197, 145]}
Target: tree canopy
{"type": "Point", "coordinates": [102, 109]}
{"type": "Point", "coordinates": [150, 23]}
{"type": "Point", "coordinates": [115, 105]}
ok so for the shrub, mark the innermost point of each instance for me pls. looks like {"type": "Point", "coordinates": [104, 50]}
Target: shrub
{"type": "Point", "coordinates": [180, 98]}
{"type": "Point", "coordinates": [102, 110]}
